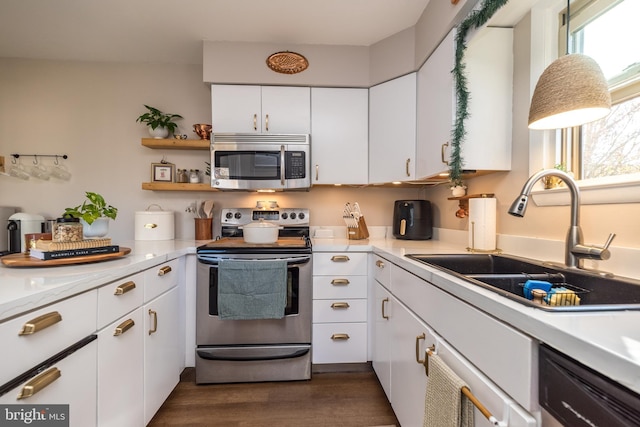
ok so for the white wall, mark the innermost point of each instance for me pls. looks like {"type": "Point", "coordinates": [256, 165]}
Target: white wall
{"type": "Point", "coordinates": [88, 111]}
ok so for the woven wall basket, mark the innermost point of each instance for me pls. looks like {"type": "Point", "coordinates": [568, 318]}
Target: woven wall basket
{"type": "Point", "coordinates": [287, 62]}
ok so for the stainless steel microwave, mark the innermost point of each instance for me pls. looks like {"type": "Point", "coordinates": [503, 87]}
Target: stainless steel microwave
{"type": "Point", "coordinates": [260, 161]}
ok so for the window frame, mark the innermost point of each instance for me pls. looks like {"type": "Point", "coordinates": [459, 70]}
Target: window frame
{"type": "Point", "coordinates": [545, 147]}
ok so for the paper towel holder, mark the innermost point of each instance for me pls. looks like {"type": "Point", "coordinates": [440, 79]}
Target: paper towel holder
{"type": "Point", "coordinates": [473, 249]}
{"type": "Point", "coordinates": [463, 203]}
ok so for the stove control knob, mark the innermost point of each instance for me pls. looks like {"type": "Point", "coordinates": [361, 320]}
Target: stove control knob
{"type": "Point", "coordinates": [285, 215]}
{"type": "Point", "coordinates": [301, 215]}
{"type": "Point", "coordinates": [293, 215]}
{"type": "Point", "coordinates": [238, 215]}
{"type": "Point", "coordinates": [229, 215]}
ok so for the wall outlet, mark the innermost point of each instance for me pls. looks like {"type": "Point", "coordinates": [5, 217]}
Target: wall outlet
{"type": "Point", "coordinates": [191, 208]}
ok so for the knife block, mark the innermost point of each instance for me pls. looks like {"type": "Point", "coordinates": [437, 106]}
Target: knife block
{"type": "Point", "coordinates": [360, 232]}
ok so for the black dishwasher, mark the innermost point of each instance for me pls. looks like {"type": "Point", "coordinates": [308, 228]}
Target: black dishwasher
{"type": "Point", "coordinates": [575, 395]}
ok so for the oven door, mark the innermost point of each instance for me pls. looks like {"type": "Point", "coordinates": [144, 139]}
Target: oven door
{"type": "Point", "coordinates": [293, 328]}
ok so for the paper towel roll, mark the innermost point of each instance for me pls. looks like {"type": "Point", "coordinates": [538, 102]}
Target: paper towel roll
{"type": "Point", "coordinates": [482, 223]}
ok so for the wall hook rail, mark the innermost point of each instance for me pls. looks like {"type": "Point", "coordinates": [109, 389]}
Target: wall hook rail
{"type": "Point", "coordinates": [35, 156]}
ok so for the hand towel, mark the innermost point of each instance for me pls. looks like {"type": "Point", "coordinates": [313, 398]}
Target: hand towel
{"type": "Point", "coordinates": [445, 405]}
{"type": "Point", "coordinates": [252, 289]}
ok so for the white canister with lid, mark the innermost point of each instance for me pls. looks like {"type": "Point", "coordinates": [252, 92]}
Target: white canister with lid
{"type": "Point", "coordinates": [154, 224]}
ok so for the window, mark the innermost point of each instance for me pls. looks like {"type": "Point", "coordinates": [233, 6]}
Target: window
{"type": "Point", "coordinates": [607, 31]}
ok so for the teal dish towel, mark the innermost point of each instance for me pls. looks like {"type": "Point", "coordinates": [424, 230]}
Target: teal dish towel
{"type": "Point", "coordinates": [252, 289]}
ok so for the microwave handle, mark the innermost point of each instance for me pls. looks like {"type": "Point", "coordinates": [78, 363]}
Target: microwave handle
{"type": "Point", "coordinates": [282, 166]}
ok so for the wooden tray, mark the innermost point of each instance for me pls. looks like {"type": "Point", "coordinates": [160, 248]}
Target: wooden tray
{"type": "Point", "coordinates": [23, 260]}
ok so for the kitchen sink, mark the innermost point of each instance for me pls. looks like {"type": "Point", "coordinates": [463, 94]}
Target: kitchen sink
{"type": "Point", "coordinates": [572, 289]}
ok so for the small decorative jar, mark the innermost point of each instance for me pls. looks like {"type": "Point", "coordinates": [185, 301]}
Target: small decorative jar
{"type": "Point", "coordinates": [181, 176]}
{"type": "Point", "coordinates": [194, 176]}
{"type": "Point", "coordinates": [67, 230]}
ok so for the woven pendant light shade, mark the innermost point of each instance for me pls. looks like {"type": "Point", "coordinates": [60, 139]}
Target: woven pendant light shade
{"type": "Point", "coordinates": [572, 91]}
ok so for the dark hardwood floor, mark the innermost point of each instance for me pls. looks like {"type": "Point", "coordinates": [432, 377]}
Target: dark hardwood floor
{"type": "Point", "coordinates": [347, 399]}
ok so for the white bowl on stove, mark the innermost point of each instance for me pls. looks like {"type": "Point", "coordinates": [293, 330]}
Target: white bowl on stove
{"type": "Point", "coordinates": [260, 232]}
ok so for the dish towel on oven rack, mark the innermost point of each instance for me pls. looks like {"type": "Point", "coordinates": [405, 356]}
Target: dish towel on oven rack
{"type": "Point", "coordinates": [445, 405]}
{"type": "Point", "coordinates": [252, 289]}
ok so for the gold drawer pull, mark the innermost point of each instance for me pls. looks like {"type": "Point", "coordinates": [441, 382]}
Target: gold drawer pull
{"type": "Point", "coordinates": [40, 323]}
{"type": "Point", "coordinates": [39, 383]}
{"type": "Point", "coordinates": [151, 225]}
{"type": "Point", "coordinates": [340, 337]}
{"type": "Point", "coordinates": [125, 287]}
{"type": "Point", "coordinates": [123, 327]}
{"type": "Point", "coordinates": [340, 258]}
{"type": "Point", "coordinates": [418, 338]}
{"type": "Point", "coordinates": [379, 264]}
{"type": "Point", "coordinates": [164, 270]}
{"type": "Point", "coordinates": [384, 315]}
{"type": "Point", "coordinates": [340, 282]}
{"type": "Point", "coordinates": [340, 305]}
{"type": "Point", "coordinates": [155, 321]}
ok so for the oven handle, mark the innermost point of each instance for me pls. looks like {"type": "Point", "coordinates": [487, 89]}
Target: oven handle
{"type": "Point", "coordinates": [214, 260]}
{"type": "Point", "coordinates": [211, 356]}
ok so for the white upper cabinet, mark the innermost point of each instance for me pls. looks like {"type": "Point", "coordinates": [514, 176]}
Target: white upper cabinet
{"type": "Point", "coordinates": [489, 71]}
{"type": "Point", "coordinates": [339, 135]}
{"type": "Point", "coordinates": [272, 109]}
{"type": "Point", "coordinates": [392, 130]}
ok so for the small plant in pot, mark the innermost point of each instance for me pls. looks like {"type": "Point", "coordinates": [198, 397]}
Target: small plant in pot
{"type": "Point", "coordinates": [458, 189]}
{"type": "Point", "coordinates": [159, 123]}
{"type": "Point", "coordinates": [94, 214]}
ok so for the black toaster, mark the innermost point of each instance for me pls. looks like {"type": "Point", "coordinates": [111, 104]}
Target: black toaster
{"type": "Point", "coordinates": [412, 220]}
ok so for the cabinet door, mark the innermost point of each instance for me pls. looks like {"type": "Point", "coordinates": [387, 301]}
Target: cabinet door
{"type": "Point", "coordinates": [76, 387]}
{"type": "Point", "coordinates": [286, 109]}
{"type": "Point", "coordinates": [340, 129]}
{"type": "Point", "coordinates": [120, 372]}
{"type": "Point", "coordinates": [383, 313]}
{"type": "Point", "coordinates": [409, 339]}
{"type": "Point", "coordinates": [236, 108]}
{"type": "Point", "coordinates": [161, 351]}
{"type": "Point", "coordinates": [392, 130]}
{"type": "Point", "coordinates": [436, 109]}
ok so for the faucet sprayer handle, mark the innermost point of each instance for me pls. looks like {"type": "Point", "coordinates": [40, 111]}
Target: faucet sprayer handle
{"type": "Point", "coordinates": [594, 252]}
{"type": "Point", "coordinates": [609, 240]}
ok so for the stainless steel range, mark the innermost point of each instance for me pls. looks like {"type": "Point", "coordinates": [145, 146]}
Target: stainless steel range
{"type": "Point", "coordinates": [253, 310]}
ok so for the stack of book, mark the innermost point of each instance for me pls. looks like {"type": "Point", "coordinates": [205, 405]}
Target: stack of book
{"type": "Point", "coordinates": [49, 250]}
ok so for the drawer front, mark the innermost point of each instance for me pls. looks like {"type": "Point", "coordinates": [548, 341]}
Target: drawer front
{"type": "Point", "coordinates": [160, 279]}
{"type": "Point", "coordinates": [381, 270]}
{"type": "Point", "coordinates": [22, 352]}
{"type": "Point", "coordinates": [338, 311]}
{"type": "Point", "coordinates": [339, 287]}
{"type": "Point", "coordinates": [340, 263]}
{"type": "Point", "coordinates": [76, 387]}
{"type": "Point", "coordinates": [119, 298]}
{"type": "Point", "coordinates": [339, 343]}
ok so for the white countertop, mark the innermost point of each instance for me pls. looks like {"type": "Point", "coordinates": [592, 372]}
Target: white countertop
{"type": "Point", "coordinates": [608, 342]}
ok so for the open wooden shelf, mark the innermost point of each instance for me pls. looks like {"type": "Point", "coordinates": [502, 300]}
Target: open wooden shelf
{"type": "Point", "coordinates": [177, 186]}
{"type": "Point", "coordinates": [463, 203]}
{"type": "Point", "coordinates": [177, 144]}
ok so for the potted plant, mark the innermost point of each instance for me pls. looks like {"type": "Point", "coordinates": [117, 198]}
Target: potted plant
{"type": "Point", "coordinates": [553, 181]}
{"type": "Point", "coordinates": [458, 189]}
{"type": "Point", "coordinates": [159, 123]}
{"type": "Point", "coordinates": [94, 214]}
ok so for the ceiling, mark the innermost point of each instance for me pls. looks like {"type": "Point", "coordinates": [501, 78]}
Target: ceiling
{"type": "Point", "coordinates": [173, 30]}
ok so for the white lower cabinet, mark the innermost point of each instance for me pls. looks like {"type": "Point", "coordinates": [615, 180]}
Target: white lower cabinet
{"type": "Point", "coordinates": [339, 332]}
{"type": "Point", "coordinates": [120, 372]}
{"type": "Point", "coordinates": [161, 351]}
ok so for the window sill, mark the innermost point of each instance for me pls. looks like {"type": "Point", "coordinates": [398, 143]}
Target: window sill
{"type": "Point", "coordinates": [600, 191]}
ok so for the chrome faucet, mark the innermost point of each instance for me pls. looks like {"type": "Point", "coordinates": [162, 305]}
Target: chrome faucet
{"type": "Point", "coordinates": [575, 250]}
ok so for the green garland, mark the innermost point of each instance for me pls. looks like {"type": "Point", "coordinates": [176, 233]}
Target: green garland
{"type": "Point", "coordinates": [476, 19]}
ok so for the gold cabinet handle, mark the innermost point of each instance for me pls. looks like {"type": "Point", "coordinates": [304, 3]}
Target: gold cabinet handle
{"type": "Point", "coordinates": [340, 305]}
{"type": "Point", "coordinates": [40, 323]}
{"type": "Point", "coordinates": [379, 264]}
{"type": "Point", "coordinates": [407, 167]}
{"type": "Point", "coordinates": [384, 315]}
{"type": "Point", "coordinates": [266, 122]}
{"type": "Point", "coordinates": [164, 270]}
{"type": "Point", "coordinates": [255, 122]}
{"type": "Point", "coordinates": [340, 282]}
{"type": "Point", "coordinates": [151, 225]}
{"type": "Point", "coordinates": [403, 227]}
{"type": "Point", "coordinates": [155, 321]}
{"type": "Point", "coordinates": [39, 383]}
{"type": "Point", "coordinates": [340, 258]}
{"type": "Point", "coordinates": [340, 337]}
{"type": "Point", "coordinates": [418, 339]}
{"type": "Point", "coordinates": [317, 171]}
{"type": "Point", "coordinates": [125, 287]}
{"type": "Point", "coordinates": [444, 147]}
{"type": "Point", "coordinates": [123, 327]}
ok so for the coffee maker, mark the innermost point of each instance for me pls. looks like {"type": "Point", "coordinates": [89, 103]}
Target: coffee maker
{"type": "Point", "coordinates": [19, 225]}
